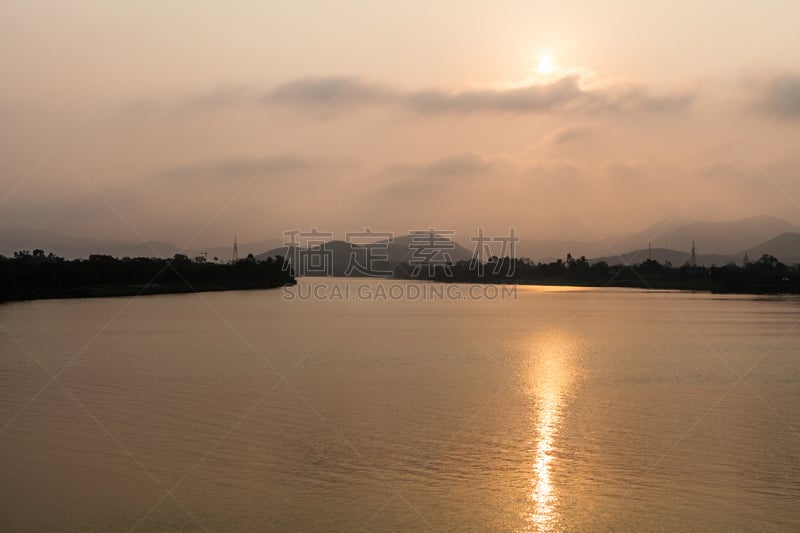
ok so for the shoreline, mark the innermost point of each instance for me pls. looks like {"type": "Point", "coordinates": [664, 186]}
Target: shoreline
{"type": "Point", "coordinates": [621, 285]}
{"type": "Point", "coordinates": [117, 291]}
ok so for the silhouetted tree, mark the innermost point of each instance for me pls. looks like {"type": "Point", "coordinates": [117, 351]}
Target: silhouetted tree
{"type": "Point", "coordinates": [763, 276]}
{"type": "Point", "coordinates": [27, 276]}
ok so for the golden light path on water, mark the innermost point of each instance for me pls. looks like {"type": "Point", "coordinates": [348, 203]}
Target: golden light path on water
{"type": "Point", "coordinates": [550, 376]}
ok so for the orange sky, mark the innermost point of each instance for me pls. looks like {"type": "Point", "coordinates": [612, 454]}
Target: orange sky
{"type": "Point", "coordinates": [195, 120]}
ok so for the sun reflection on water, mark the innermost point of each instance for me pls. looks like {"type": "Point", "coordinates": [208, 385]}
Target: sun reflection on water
{"type": "Point", "coordinates": [550, 376]}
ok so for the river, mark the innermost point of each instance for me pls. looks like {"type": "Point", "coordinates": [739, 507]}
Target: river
{"type": "Point", "coordinates": [549, 409]}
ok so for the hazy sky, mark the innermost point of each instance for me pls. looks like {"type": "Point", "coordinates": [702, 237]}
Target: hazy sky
{"type": "Point", "coordinates": [196, 120]}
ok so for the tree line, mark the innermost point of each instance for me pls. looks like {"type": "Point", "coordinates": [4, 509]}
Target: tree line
{"type": "Point", "coordinates": [763, 276]}
{"type": "Point", "coordinates": [35, 275]}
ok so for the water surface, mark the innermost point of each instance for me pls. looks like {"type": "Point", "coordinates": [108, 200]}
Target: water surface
{"type": "Point", "coordinates": [565, 409]}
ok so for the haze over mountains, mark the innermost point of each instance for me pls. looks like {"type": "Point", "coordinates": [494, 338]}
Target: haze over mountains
{"type": "Point", "coordinates": [711, 238]}
{"type": "Point", "coordinates": [383, 255]}
{"type": "Point", "coordinates": [667, 240]}
{"type": "Point", "coordinates": [717, 243]}
{"type": "Point", "coordinates": [72, 247]}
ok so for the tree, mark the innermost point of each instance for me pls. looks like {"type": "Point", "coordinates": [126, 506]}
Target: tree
{"type": "Point", "coordinates": [768, 261]}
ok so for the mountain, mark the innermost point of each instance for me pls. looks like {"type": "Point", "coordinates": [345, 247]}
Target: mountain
{"type": "Point", "coordinates": [663, 255]}
{"type": "Point", "coordinates": [713, 239]}
{"type": "Point", "coordinates": [644, 238]}
{"type": "Point", "coordinates": [549, 250]}
{"type": "Point", "coordinates": [727, 237]}
{"type": "Point", "coordinates": [332, 258]}
{"type": "Point", "coordinates": [717, 243]}
{"type": "Point", "coordinates": [401, 249]}
{"type": "Point", "coordinates": [335, 257]}
{"type": "Point", "coordinates": [70, 247]}
{"type": "Point", "coordinates": [225, 253]}
{"type": "Point", "coordinates": [785, 247]}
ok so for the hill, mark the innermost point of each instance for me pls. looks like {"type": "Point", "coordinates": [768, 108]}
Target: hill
{"type": "Point", "coordinates": [717, 243]}
{"type": "Point", "coordinates": [71, 247]}
{"type": "Point", "coordinates": [728, 237]}
{"type": "Point", "coordinates": [664, 255]}
{"type": "Point", "coordinates": [549, 250]}
{"type": "Point", "coordinates": [785, 247]}
{"type": "Point", "coordinates": [334, 257]}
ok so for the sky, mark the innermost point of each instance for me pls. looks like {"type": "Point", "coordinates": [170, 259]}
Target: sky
{"type": "Point", "coordinates": [190, 122]}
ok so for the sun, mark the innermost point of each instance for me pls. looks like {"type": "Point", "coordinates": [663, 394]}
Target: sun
{"type": "Point", "coordinates": [545, 65]}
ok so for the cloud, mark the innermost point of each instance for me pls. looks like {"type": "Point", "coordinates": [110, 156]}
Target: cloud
{"type": "Point", "coordinates": [437, 175]}
{"type": "Point", "coordinates": [221, 97]}
{"type": "Point", "coordinates": [560, 174]}
{"type": "Point", "coordinates": [571, 134]}
{"type": "Point", "coordinates": [225, 95]}
{"type": "Point", "coordinates": [573, 92]}
{"type": "Point", "coordinates": [338, 90]}
{"type": "Point", "coordinates": [626, 171]}
{"type": "Point", "coordinates": [565, 94]}
{"type": "Point", "coordinates": [720, 170]}
{"type": "Point", "coordinates": [446, 167]}
{"type": "Point", "coordinates": [778, 95]}
{"type": "Point", "coordinates": [562, 94]}
{"type": "Point", "coordinates": [246, 167]}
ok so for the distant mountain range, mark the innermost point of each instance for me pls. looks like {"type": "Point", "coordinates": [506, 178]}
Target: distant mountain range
{"type": "Point", "coordinates": [785, 247]}
{"type": "Point", "coordinates": [729, 237]}
{"type": "Point", "coordinates": [670, 240]}
{"type": "Point", "coordinates": [69, 247]}
{"type": "Point", "coordinates": [712, 239]}
{"type": "Point", "coordinates": [336, 257]}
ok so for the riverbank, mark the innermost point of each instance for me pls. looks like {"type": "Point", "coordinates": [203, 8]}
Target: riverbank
{"type": "Point", "coordinates": [658, 285]}
{"type": "Point", "coordinates": [764, 276]}
{"type": "Point", "coordinates": [110, 291]}
{"type": "Point", "coordinates": [36, 276]}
